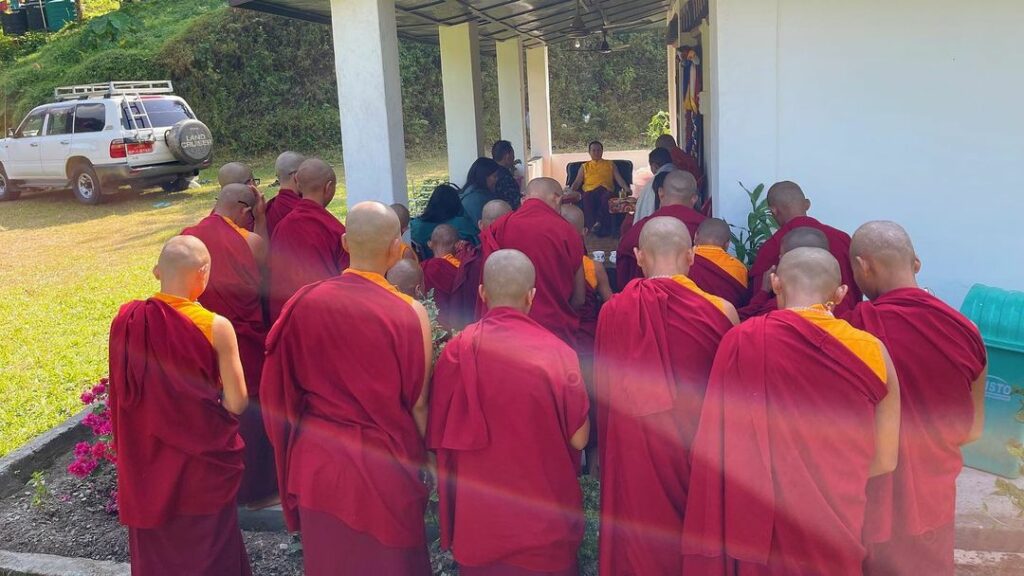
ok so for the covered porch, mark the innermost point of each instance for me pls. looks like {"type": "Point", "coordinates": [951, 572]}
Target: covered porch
{"type": "Point", "coordinates": [516, 33]}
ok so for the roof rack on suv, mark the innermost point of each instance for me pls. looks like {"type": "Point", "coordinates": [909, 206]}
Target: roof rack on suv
{"type": "Point", "coordinates": [109, 89]}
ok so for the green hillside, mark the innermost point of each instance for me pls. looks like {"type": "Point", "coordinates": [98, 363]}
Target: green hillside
{"type": "Point", "coordinates": [262, 82]}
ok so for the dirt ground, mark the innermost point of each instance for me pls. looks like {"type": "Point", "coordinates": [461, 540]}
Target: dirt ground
{"type": "Point", "coordinates": [68, 517]}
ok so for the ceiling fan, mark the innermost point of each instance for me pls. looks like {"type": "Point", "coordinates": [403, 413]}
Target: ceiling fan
{"type": "Point", "coordinates": [603, 48]}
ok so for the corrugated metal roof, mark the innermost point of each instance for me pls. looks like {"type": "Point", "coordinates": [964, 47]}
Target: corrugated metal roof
{"type": "Point", "coordinates": [536, 21]}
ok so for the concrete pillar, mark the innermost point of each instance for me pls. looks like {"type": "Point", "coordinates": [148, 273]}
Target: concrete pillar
{"type": "Point", "coordinates": [463, 110]}
{"type": "Point", "coordinates": [511, 94]}
{"type": "Point", "coordinates": [673, 93]}
{"type": "Point", "coordinates": [540, 103]}
{"type": "Point", "coordinates": [370, 99]}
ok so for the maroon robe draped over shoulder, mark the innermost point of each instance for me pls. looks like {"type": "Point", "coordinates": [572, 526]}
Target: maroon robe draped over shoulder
{"type": "Point", "coordinates": [466, 294]}
{"type": "Point", "coordinates": [179, 455]}
{"type": "Point", "coordinates": [234, 292]}
{"type": "Point", "coordinates": [760, 304]}
{"type": "Point", "coordinates": [507, 483]}
{"type": "Point", "coordinates": [713, 279]}
{"type": "Point", "coordinates": [439, 275]}
{"type": "Point", "coordinates": [554, 247]}
{"type": "Point", "coordinates": [838, 245]}
{"type": "Point", "coordinates": [938, 354]}
{"type": "Point", "coordinates": [306, 249]}
{"type": "Point", "coordinates": [345, 366]}
{"type": "Point", "coordinates": [626, 266]}
{"type": "Point", "coordinates": [782, 454]}
{"type": "Point", "coordinates": [656, 342]}
{"type": "Point", "coordinates": [280, 206]}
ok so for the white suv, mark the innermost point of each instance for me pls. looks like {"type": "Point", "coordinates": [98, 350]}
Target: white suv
{"type": "Point", "coordinates": [97, 137]}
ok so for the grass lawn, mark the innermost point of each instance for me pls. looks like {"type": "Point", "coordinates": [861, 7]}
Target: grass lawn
{"type": "Point", "coordinates": [65, 268]}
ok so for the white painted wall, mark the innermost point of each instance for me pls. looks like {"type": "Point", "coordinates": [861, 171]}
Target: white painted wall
{"type": "Point", "coordinates": [463, 102]}
{"type": "Point", "coordinates": [539, 97]}
{"type": "Point", "coordinates": [909, 111]}
{"type": "Point", "coordinates": [370, 100]}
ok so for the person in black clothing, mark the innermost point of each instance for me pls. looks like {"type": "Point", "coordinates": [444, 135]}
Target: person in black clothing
{"type": "Point", "coordinates": [507, 188]}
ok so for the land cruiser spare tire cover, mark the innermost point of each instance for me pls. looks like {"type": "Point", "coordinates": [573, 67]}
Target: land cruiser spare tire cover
{"type": "Point", "coordinates": [190, 141]}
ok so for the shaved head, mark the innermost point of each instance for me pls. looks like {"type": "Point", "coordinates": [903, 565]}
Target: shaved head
{"type": "Point", "coordinates": [403, 215]}
{"type": "Point", "coordinates": [883, 258]}
{"type": "Point", "coordinates": [234, 173]}
{"type": "Point", "coordinates": [443, 239]}
{"type": "Point", "coordinates": [573, 215]}
{"type": "Point", "coordinates": [235, 195]}
{"type": "Point", "coordinates": [713, 232]}
{"type": "Point", "coordinates": [884, 242]}
{"type": "Point", "coordinates": [803, 237]}
{"type": "Point", "coordinates": [316, 180]}
{"type": "Point", "coordinates": [183, 268]}
{"type": "Point", "coordinates": [286, 166]}
{"type": "Point", "coordinates": [371, 231]}
{"type": "Point", "coordinates": [235, 202]}
{"type": "Point", "coordinates": [492, 211]}
{"type": "Point", "coordinates": [407, 276]}
{"type": "Point", "coordinates": [548, 190]}
{"type": "Point", "coordinates": [787, 201]}
{"type": "Point", "coordinates": [665, 236]}
{"type": "Point", "coordinates": [680, 187]}
{"type": "Point", "coordinates": [666, 141]}
{"type": "Point", "coordinates": [809, 273]}
{"type": "Point", "coordinates": [183, 254]}
{"type": "Point", "coordinates": [509, 279]}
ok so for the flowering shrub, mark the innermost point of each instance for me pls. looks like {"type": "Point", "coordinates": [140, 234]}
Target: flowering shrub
{"type": "Point", "coordinates": [91, 455]}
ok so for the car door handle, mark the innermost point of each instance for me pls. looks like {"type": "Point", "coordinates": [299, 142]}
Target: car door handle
{"type": "Point", "coordinates": [65, 142]}
{"type": "Point", "coordinates": [34, 145]}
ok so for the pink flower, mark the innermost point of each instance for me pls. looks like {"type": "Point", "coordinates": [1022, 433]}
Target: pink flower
{"type": "Point", "coordinates": [99, 450]}
{"type": "Point", "coordinates": [87, 397]}
{"type": "Point", "coordinates": [104, 381]}
{"type": "Point", "coordinates": [105, 429]}
{"type": "Point", "coordinates": [99, 389]}
{"type": "Point", "coordinates": [82, 467]}
{"type": "Point", "coordinates": [82, 449]}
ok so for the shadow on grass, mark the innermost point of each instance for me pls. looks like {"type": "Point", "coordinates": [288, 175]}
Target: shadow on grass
{"type": "Point", "coordinates": [37, 210]}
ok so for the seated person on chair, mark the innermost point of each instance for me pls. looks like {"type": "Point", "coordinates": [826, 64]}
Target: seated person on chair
{"type": "Point", "coordinates": [597, 179]}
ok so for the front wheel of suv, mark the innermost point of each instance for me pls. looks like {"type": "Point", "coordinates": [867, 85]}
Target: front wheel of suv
{"type": "Point", "coordinates": [85, 184]}
{"type": "Point", "coordinates": [7, 189]}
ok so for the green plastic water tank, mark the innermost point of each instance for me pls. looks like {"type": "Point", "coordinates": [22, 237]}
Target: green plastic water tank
{"type": "Point", "coordinates": [59, 13]}
{"type": "Point", "coordinates": [999, 315]}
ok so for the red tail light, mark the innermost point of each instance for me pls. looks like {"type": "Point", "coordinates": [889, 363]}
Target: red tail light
{"type": "Point", "coordinates": [118, 148]}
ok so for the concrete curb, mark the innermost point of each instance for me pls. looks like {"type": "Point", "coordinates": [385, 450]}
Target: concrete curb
{"type": "Point", "coordinates": [39, 453]}
{"type": "Point", "coordinates": [20, 564]}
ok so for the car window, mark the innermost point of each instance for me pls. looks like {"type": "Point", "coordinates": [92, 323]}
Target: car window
{"type": "Point", "coordinates": [60, 121]}
{"type": "Point", "coordinates": [32, 125]}
{"type": "Point", "coordinates": [162, 112]}
{"type": "Point", "coordinates": [90, 118]}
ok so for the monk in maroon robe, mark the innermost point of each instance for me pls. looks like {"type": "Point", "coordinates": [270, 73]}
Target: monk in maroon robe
{"type": "Point", "coordinates": [763, 300]}
{"type": "Point", "coordinates": [471, 272]}
{"type": "Point", "coordinates": [286, 166]}
{"type": "Point", "coordinates": [176, 384]}
{"type": "Point", "coordinates": [235, 289]}
{"type": "Point", "coordinates": [656, 341]}
{"type": "Point", "coordinates": [714, 270]}
{"type": "Point", "coordinates": [940, 359]}
{"type": "Point", "coordinates": [789, 206]}
{"type": "Point", "coordinates": [345, 404]}
{"type": "Point", "coordinates": [307, 243]}
{"type": "Point", "coordinates": [538, 230]}
{"type": "Point", "coordinates": [439, 276]}
{"type": "Point", "coordinates": [801, 409]}
{"type": "Point", "coordinates": [510, 503]}
{"type": "Point", "coordinates": [678, 197]}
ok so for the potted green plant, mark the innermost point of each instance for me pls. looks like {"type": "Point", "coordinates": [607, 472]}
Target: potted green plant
{"type": "Point", "coordinates": [746, 241]}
